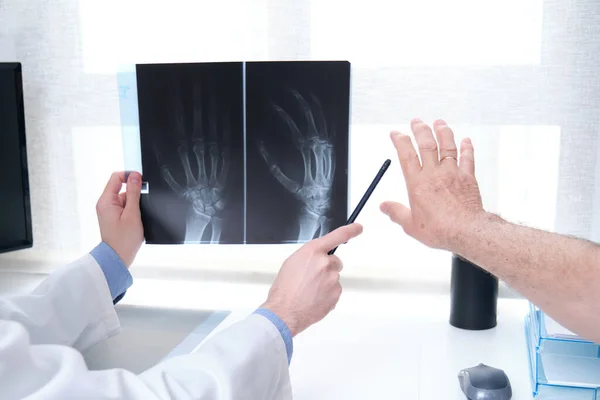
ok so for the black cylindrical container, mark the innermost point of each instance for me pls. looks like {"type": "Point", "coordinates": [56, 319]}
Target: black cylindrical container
{"type": "Point", "coordinates": [473, 296]}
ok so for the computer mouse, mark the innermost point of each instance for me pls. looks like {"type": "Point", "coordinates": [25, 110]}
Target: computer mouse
{"type": "Point", "coordinates": [483, 382]}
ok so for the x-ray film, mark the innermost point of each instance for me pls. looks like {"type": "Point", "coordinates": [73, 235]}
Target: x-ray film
{"type": "Point", "coordinates": [297, 149]}
{"type": "Point", "coordinates": [235, 153]}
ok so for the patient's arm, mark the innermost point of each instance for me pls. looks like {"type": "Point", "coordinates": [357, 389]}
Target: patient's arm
{"type": "Point", "coordinates": [560, 274]}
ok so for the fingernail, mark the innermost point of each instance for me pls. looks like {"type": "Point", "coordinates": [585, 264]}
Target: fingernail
{"type": "Point", "coordinates": [416, 121]}
{"type": "Point", "coordinates": [467, 140]}
{"type": "Point", "coordinates": [395, 133]}
{"type": "Point", "coordinates": [440, 122]}
{"type": "Point", "coordinates": [135, 179]}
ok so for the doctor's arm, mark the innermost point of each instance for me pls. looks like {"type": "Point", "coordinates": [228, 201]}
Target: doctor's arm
{"type": "Point", "coordinates": [69, 305]}
{"type": "Point", "coordinates": [559, 274]}
{"type": "Point", "coordinates": [248, 360]}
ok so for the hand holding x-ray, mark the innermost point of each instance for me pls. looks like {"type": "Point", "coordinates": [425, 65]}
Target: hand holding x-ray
{"type": "Point", "coordinates": [205, 179]}
{"type": "Point", "coordinates": [318, 155]}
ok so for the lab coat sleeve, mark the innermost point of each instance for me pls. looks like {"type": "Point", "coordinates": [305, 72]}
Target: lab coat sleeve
{"type": "Point", "coordinates": [283, 329]}
{"type": "Point", "coordinates": [116, 273]}
{"type": "Point", "coordinates": [72, 306]}
{"type": "Point", "coordinates": [246, 361]}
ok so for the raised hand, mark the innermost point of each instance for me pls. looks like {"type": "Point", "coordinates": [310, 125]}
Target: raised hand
{"type": "Point", "coordinates": [206, 177]}
{"type": "Point", "coordinates": [443, 192]}
{"type": "Point", "coordinates": [318, 154]}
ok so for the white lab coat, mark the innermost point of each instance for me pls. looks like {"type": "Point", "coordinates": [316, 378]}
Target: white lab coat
{"type": "Point", "coordinates": [42, 333]}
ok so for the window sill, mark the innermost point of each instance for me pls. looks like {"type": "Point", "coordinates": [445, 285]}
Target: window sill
{"type": "Point", "coordinates": [430, 275]}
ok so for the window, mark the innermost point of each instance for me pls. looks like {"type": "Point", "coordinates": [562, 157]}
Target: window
{"type": "Point", "coordinates": [519, 77]}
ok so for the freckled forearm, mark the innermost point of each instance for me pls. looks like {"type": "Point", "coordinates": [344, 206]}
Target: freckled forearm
{"type": "Point", "coordinates": [558, 273]}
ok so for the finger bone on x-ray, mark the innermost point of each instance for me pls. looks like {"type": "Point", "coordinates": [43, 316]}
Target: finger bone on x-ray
{"type": "Point", "coordinates": [204, 189]}
{"type": "Point", "coordinates": [318, 155]}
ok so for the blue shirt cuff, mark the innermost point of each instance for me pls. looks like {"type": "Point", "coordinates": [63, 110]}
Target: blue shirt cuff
{"type": "Point", "coordinates": [282, 327]}
{"type": "Point", "coordinates": [117, 276]}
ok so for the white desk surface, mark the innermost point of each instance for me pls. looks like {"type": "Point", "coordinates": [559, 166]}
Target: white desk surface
{"type": "Point", "coordinates": [374, 345]}
{"type": "Point", "coordinates": [400, 346]}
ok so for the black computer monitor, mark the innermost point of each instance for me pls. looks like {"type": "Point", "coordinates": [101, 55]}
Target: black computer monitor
{"type": "Point", "coordinates": [15, 208]}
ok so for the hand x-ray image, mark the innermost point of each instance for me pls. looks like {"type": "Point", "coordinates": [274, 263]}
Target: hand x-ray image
{"type": "Point", "coordinates": [297, 149]}
{"type": "Point", "coordinates": [192, 152]}
{"type": "Point", "coordinates": [239, 153]}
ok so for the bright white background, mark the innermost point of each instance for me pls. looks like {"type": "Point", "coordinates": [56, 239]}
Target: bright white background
{"type": "Point", "coordinates": [519, 77]}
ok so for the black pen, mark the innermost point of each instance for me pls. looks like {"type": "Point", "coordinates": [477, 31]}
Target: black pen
{"type": "Point", "coordinates": [366, 196]}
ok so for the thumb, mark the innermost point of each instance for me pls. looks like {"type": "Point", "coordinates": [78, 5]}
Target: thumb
{"type": "Point", "coordinates": [134, 190]}
{"type": "Point", "coordinates": [398, 213]}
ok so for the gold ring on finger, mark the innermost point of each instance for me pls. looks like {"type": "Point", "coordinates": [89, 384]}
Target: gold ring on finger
{"type": "Point", "coordinates": [454, 158]}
